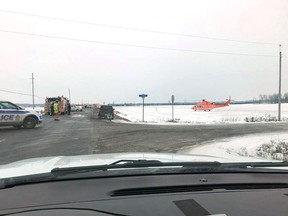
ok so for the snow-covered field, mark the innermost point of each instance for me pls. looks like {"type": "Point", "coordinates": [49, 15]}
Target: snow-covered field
{"type": "Point", "coordinates": [249, 148]}
{"type": "Point", "coordinates": [185, 115]}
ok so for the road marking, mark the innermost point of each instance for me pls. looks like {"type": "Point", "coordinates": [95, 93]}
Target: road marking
{"type": "Point", "coordinates": [2, 140]}
{"type": "Point", "coordinates": [78, 116]}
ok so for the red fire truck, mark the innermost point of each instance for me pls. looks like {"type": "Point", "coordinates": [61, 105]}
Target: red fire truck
{"type": "Point", "coordinates": [49, 102]}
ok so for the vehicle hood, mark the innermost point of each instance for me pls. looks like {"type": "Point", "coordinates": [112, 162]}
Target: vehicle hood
{"type": "Point", "coordinates": [34, 112]}
{"type": "Point", "coordinates": [46, 164]}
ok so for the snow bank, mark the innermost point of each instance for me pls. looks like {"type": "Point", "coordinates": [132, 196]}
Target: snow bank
{"type": "Point", "coordinates": [248, 148]}
{"type": "Point", "coordinates": [185, 115]}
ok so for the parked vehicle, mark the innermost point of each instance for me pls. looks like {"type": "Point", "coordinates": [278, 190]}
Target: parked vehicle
{"type": "Point", "coordinates": [106, 112]}
{"type": "Point", "coordinates": [73, 108]}
{"type": "Point", "coordinates": [76, 108]}
{"type": "Point", "coordinates": [13, 115]}
{"type": "Point", "coordinates": [79, 107]}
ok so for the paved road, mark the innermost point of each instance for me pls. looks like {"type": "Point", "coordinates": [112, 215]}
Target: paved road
{"type": "Point", "coordinates": [83, 133]}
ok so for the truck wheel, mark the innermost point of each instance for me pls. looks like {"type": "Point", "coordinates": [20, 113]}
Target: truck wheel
{"type": "Point", "coordinates": [29, 123]}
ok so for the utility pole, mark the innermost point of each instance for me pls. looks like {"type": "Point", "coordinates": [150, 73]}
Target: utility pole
{"type": "Point", "coordinates": [279, 93]}
{"type": "Point", "coordinates": [33, 91]}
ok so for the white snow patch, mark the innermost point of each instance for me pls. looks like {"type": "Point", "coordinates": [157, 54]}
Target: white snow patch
{"type": "Point", "coordinates": [239, 149]}
{"type": "Point", "coordinates": [119, 121]}
{"type": "Point", "coordinates": [77, 116]}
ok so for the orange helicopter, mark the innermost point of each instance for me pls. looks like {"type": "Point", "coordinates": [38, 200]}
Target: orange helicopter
{"type": "Point", "coordinates": [206, 105]}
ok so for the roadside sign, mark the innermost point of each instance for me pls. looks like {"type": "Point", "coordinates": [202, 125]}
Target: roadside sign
{"type": "Point", "coordinates": [143, 95]}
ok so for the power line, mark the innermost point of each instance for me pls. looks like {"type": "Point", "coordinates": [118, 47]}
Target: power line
{"type": "Point", "coordinates": [141, 30]}
{"type": "Point", "coordinates": [19, 93]}
{"type": "Point", "coordinates": [133, 45]}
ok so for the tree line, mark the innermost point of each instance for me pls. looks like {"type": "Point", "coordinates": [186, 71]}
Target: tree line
{"type": "Point", "coordinates": [273, 98]}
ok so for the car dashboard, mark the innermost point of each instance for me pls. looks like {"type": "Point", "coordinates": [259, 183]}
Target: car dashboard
{"type": "Point", "coordinates": [231, 194]}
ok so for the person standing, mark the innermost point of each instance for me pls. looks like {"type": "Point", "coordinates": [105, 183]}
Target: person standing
{"type": "Point", "coordinates": [68, 107]}
{"type": "Point", "coordinates": [57, 111]}
{"type": "Point", "coordinates": [62, 105]}
{"type": "Point", "coordinates": [52, 108]}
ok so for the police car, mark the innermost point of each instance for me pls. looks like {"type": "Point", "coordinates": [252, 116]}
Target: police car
{"type": "Point", "coordinates": [13, 115]}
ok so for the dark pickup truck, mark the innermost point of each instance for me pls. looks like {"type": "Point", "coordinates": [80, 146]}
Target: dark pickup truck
{"type": "Point", "coordinates": [106, 112]}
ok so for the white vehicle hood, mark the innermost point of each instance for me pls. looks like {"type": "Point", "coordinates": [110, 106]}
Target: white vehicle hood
{"type": "Point", "coordinates": [46, 164]}
{"type": "Point", "coordinates": [34, 112]}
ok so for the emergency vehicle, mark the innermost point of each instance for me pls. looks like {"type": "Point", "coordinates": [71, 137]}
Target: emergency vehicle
{"type": "Point", "coordinates": [208, 106]}
{"type": "Point", "coordinates": [13, 115]}
{"type": "Point", "coordinates": [49, 101]}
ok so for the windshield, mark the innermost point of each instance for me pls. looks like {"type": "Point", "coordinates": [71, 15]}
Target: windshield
{"type": "Point", "coordinates": [172, 81]}
{"type": "Point", "coordinates": [8, 105]}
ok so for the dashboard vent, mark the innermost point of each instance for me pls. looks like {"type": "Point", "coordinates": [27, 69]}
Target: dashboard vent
{"type": "Point", "coordinates": [194, 188]}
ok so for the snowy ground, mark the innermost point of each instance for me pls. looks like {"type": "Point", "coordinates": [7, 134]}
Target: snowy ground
{"type": "Point", "coordinates": [249, 148]}
{"type": "Point", "coordinates": [185, 115]}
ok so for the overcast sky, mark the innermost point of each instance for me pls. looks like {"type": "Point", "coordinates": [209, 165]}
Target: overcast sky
{"type": "Point", "coordinates": [98, 68]}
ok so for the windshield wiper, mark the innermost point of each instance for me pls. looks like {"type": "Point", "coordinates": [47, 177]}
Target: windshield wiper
{"type": "Point", "coordinates": [168, 167]}
{"type": "Point", "coordinates": [192, 166]}
{"type": "Point", "coordinates": [138, 162]}
{"type": "Point", "coordinates": [130, 164]}
{"type": "Point", "coordinates": [247, 165]}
